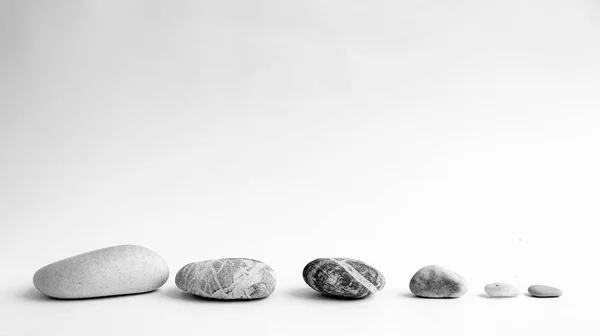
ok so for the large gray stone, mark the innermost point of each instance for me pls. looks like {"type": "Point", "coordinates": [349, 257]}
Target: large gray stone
{"type": "Point", "coordinates": [116, 270]}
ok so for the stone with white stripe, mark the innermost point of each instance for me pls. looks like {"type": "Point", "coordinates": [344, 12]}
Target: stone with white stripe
{"type": "Point", "coordinates": [343, 277]}
{"type": "Point", "coordinates": [227, 279]}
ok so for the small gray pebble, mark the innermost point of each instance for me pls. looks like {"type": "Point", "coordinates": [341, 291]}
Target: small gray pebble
{"type": "Point", "coordinates": [500, 289]}
{"type": "Point", "coordinates": [437, 282]}
{"type": "Point", "coordinates": [544, 291]}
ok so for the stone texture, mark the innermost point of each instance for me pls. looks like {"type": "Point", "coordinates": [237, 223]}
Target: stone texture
{"type": "Point", "coordinates": [343, 277]}
{"type": "Point", "coordinates": [116, 270]}
{"type": "Point", "coordinates": [544, 291]}
{"type": "Point", "coordinates": [437, 282]}
{"type": "Point", "coordinates": [227, 279]}
{"type": "Point", "coordinates": [500, 289]}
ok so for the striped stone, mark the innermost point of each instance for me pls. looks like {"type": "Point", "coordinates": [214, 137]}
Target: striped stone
{"type": "Point", "coordinates": [227, 279]}
{"type": "Point", "coordinates": [343, 277]}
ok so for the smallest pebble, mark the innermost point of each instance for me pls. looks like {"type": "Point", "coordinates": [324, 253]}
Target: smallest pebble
{"type": "Point", "coordinates": [544, 291]}
{"type": "Point", "coordinates": [499, 289]}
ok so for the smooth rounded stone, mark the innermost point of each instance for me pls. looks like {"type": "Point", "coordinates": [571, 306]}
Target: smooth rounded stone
{"type": "Point", "coordinates": [116, 270]}
{"type": "Point", "coordinates": [227, 279]}
{"type": "Point", "coordinates": [544, 291]}
{"type": "Point", "coordinates": [437, 282]}
{"type": "Point", "coordinates": [343, 277]}
{"type": "Point", "coordinates": [500, 289]}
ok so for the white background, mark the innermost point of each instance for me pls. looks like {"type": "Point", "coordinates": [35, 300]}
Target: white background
{"type": "Point", "coordinates": [401, 133]}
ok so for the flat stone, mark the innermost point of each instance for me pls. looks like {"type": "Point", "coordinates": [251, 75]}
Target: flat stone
{"type": "Point", "coordinates": [500, 289]}
{"type": "Point", "coordinates": [116, 270]}
{"type": "Point", "coordinates": [227, 279]}
{"type": "Point", "coordinates": [437, 282]}
{"type": "Point", "coordinates": [544, 291]}
{"type": "Point", "coordinates": [343, 277]}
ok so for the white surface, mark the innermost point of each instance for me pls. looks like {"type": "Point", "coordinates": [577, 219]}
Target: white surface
{"type": "Point", "coordinates": [401, 133]}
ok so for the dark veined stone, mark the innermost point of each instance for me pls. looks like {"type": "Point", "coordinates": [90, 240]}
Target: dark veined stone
{"type": "Point", "coordinates": [343, 277]}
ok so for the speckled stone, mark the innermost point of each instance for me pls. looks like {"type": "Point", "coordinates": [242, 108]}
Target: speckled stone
{"type": "Point", "coordinates": [437, 282]}
{"type": "Point", "coordinates": [544, 291]}
{"type": "Point", "coordinates": [343, 277]}
{"type": "Point", "coordinates": [116, 270]}
{"type": "Point", "coordinates": [227, 279]}
{"type": "Point", "coordinates": [500, 289]}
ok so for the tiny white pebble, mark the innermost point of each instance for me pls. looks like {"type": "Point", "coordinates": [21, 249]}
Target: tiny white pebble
{"type": "Point", "coordinates": [500, 289]}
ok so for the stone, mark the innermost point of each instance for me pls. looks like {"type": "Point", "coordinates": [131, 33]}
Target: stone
{"type": "Point", "coordinates": [437, 282]}
{"type": "Point", "coordinates": [116, 270]}
{"type": "Point", "coordinates": [227, 279]}
{"type": "Point", "coordinates": [500, 289]}
{"type": "Point", "coordinates": [343, 277]}
{"type": "Point", "coordinates": [543, 291]}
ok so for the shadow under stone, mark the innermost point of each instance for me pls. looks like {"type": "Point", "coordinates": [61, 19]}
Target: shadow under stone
{"type": "Point", "coordinates": [410, 295]}
{"type": "Point", "coordinates": [486, 296]}
{"type": "Point", "coordinates": [32, 294]}
{"type": "Point", "coordinates": [541, 297]}
{"type": "Point", "coordinates": [309, 294]}
{"type": "Point", "coordinates": [178, 294]}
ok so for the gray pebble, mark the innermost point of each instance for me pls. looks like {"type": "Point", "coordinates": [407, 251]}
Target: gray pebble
{"type": "Point", "coordinates": [544, 291]}
{"type": "Point", "coordinates": [437, 282]}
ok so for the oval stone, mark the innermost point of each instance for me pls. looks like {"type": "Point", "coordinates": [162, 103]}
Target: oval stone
{"type": "Point", "coordinates": [343, 277]}
{"type": "Point", "coordinates": [227, 279]}
{"type": "Point", "coordinates": [437, 282]}
{"type": "Point", "coordinates": [116, 270]}
{"type": "Point", "coordinates": [500, 289]}
{"type": "Point", "coordinates": [544, 291]}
